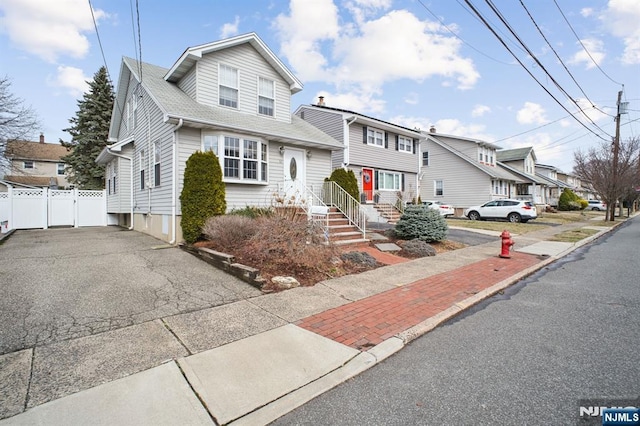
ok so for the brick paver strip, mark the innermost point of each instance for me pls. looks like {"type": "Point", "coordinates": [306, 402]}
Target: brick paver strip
{"type": "Point", "coordinates": [367, 322]}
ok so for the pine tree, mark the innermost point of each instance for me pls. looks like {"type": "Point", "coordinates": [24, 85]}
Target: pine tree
{"type": "Point", "coordinates": [89, 131]}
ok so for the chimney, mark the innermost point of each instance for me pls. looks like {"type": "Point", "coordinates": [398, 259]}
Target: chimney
{"type": "Point", "coordinates": [320, 100]}
{"type": "Point", "coordinates": [432, 129]}
{"type": "Point", "coordinates": [41, 138]}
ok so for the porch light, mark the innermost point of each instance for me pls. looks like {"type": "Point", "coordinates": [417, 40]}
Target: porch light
{"type": "Point", "coordinates": [281, 149]}
{"type": "Point", "coordinates": [308, 153]}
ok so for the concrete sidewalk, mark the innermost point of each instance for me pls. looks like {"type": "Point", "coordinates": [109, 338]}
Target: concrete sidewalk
{"type": "Point", "coordinates": [254, 360]}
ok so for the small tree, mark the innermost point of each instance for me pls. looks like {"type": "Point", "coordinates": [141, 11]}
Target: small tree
{"type": "Point", "coordinates": [569, 200]}
{"type": "Point", "coordinates": [17, 121]}
{"type": "Point", "coordinates": [203, 194]}
{"type": "Point", "coordinates": [423, 223]}
{"type": "Point", "coordinates": [89, 131]}
{"type": "Point", "coordinates": [347, 180]}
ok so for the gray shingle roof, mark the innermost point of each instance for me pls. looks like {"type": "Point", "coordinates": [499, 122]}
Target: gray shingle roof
{"type": "Point", "coordinates": [513, 154]}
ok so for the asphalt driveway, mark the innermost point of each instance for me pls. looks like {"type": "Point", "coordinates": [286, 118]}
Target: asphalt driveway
{"type": "Point", "coordinates": [60, 284]}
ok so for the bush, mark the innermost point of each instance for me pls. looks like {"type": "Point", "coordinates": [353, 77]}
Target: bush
{"type": "Point", "coordinates": [203, 194]}
{"type": "Point", "coordinates": [347, 180]}
{"type": "Point", "coordinates": [422, 223]}
{"type": "Point", "coordinates": [229, 231]}
{"type": "Point", "coordinates": [253, 212]}
{"type": "Point", "coordinates": [569, 200]}
{"type": "Point", "coordinates": [418, 248]}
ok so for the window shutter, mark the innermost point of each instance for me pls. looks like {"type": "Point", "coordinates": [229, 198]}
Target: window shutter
{"type": "Point", "coordinates": [364, 135]}
{"type": "Point", "coordinates": [415, 146]}
{"type": "Point", "coordinates": [402, 182]}
{"type": "Point", "coordinates": [397, 142]}
{"type": "Point", "coordinates": [386, 140]}
{"type": "Point", "coordinates": [375, 180]}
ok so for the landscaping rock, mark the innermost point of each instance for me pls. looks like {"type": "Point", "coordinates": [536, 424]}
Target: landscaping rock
{"type": "Point", "coordinates": [284, 283]}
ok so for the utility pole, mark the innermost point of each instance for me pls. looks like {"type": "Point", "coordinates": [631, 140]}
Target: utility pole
{"type": "Point", "coordinates": [616, 150]}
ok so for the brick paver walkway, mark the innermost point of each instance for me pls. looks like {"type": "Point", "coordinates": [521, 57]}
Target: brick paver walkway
{"type": "Point", "coordinates": [367, 322]}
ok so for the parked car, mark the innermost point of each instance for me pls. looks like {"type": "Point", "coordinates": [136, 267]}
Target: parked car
{"type": "Point", "coordinates": [596, 205]}
{"type": "Point", "coordinates": [444, 209]}
{"type": "Point", "coordinates": [511, 210]}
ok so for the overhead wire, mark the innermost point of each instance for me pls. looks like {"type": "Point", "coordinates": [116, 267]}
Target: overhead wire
{"type": "Point", "coordinates": [583, 46]}
{"type": "Point", "coordinates": [497, 12]}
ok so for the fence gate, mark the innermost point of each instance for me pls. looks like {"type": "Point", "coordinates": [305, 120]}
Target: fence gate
{"type": "Point", "coordinates": [41, 207]}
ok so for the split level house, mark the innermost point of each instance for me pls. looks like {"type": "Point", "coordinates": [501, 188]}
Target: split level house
{"type": "Point", "coordinates": [36, 164]}
{"type": "Point", "coordinates": [384, 157]}
{"type": "Point", "coordinates": [232, 97]}
{"type": "Point", "coordinates": [463, 172]}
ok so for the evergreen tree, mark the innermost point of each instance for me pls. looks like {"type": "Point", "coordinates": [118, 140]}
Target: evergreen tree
{"type": "Point", "coordinates": [89, 131]}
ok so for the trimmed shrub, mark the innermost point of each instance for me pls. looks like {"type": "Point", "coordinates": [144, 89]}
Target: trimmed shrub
{"type": "Point", "coordinates": [422, 223]}
{"type": "Point", "coordinates": [570, 201]}
{"type": "Point", "coordinates": [203, 194]}
{"type": "Point", "coordinates": [418, 248]}
{"type": "Point", "coordinates": [253, 212]}
{"type": "Point", "coordinates": [347, 180]}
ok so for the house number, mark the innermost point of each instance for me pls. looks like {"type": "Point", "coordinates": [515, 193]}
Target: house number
{"type": "Point", "coordinates": [293, 169]}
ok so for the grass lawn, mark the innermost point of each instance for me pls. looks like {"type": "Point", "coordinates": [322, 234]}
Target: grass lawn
{"type": "Point", "coordinates": [513, 228]}
{"type": "Point", "coordinates": [573, 235]}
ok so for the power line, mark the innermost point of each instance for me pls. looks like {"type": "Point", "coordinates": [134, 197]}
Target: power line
{"type": "Point", "coordinates": [533, 56]}
{"type": "Point", "coordinates": [460, 38]}
{"type": "Point", "coordinates": [582, 44]}
{"type": "Point", "coordinates": [493, 31]}
{"type": "Point", "coordinates": [104, 59]}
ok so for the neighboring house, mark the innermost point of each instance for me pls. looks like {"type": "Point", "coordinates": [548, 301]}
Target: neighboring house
{"type": "Point", "coordinates": [383, 156]}
{"type": "Point", "coordinates": [554, 187]}
{"type": "Point", "coordinates": [232, 97]}
{"type": "Point", "coordinates": [36, 164]}
{"type": "Point", "coordinates": [463, 172]}
{"type": "Point", "coordinates": [582, 189]}
{"type": "Point", "coordinates": [522, 162]}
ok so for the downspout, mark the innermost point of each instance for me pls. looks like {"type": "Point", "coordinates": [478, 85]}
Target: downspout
{"type": "Point", "coordinates": [174, 190]}
{"type": "Point", "coordinates": [346, 142]}
{"type": "Point", "coordinates": [131, 181]}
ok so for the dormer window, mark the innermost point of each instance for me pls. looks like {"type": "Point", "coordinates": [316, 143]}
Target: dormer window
{"type": "Point", "coordinates": [228, 86]}
{"type": "Point", "coordinates": [266, 96]}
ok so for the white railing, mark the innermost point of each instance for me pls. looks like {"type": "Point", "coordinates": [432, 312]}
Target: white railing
{"type": "Point", "coordinates": [394, 199]}
{"type": "Point", "coordinates": [334, 195]}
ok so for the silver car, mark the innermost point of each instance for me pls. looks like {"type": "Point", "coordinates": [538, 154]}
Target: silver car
{"type": "Point", "coordinates": [596, 205]}
{"type": "Point", "coordinates": [511, 210]}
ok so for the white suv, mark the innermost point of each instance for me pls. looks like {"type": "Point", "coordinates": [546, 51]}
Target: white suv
{"type": "Point", "coordinates": [511, 210]}
{"type": "Point", "coordinates": [596, 205]}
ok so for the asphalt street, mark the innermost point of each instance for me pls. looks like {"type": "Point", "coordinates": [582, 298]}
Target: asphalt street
{"type": "Point", "coordinates": [532, 355]}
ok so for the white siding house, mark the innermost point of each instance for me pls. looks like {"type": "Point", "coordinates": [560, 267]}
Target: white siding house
{"type": "Point", "coordinates": [462, 172]}
{"type": "Point", "coordinates": [522, 162]}
{"type": "Point", "coordinates": [232, 97]}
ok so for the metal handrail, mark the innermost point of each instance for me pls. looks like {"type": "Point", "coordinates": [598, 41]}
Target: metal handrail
{"type": "Point", "coordinates": [334, 195]}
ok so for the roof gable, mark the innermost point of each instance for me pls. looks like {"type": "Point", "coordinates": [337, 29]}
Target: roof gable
{"type": "Point", "coordinates": [193, 54]}
{"type": "Point", "coordinates": [515, 154]}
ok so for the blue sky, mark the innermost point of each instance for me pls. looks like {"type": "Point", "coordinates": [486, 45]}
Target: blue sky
{"type": "Point", "coordinates": [412, 62]}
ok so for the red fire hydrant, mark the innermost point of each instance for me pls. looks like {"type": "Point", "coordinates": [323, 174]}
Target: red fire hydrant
{"type": "Point", "coordinates": [507, 242]}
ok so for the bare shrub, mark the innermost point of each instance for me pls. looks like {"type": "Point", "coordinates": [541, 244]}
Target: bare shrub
{"type": "Point", "coordinates": [229, 232]}
{"type": "Point", "coordinates": [283, 244]}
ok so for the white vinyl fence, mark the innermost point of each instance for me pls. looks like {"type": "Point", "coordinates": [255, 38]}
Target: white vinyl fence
{"type": "Point", "coordinates": [22, 208]}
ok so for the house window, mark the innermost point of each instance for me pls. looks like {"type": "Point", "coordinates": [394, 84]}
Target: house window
{"type": "Point", "coordinates": [60, 169]}
{"type": "Point", "coordinates": [439, 187]}
{"type": "Point", "coordinates": [266, 96]}
{"type": "Point", "coordinates": [228, 85]}
{"type": "Point", "coordinates": [375, 137]}
{"type": "Point", "coordinates": [143, 161]}
{"type": "Point", "coordinates": [388, 181]}
{"type": "Point", "coordinates": [210, 143]}
{"type": "Point", "coordinates": [425, 158]}
{"type": "Point", "coordinates": [240, 158]}
{"type": "Point", "coordinates": [405, 144]}
{"type": "Point", "coordinates": [28, 165]}
{"type": "Point", "coordinates": [156, 163]}
{"type": "Point", "coordinates": [114, 174]}
{"type": "Point", "coordinates": [231, 157]}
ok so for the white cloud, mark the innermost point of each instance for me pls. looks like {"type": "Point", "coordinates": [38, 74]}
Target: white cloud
{"type": "Point", "coordinates": [452, 126]}
{"type": "Point", "coordinates": [72, 80]}
{"type": "Point", "coordinates": [353, 100]}
{"type": "Point", "coordinates": [49, 29]}
{"type": "Point", "coordinates": [531, 113]}
{"type": "Point", "coordinates": [412, 98]}
{"type": "Point", "coordinates": [595, 48]}
{"type": "Point", "coordinates": [230, 28]}
{"type": "Point", "coordinates": [480, 110]}
{"type": "Point", "coordinates": [621, 18]}
{"type": "Point", "coordinates": [586, 12]}
{"type": "Point", "coordinates": [594, 113]}
{"type": "Point", "coordinates": [365, 47]}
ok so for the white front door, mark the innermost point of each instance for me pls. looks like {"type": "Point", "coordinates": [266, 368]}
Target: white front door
{"type": "Point", "coordinates": [294, 176]}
